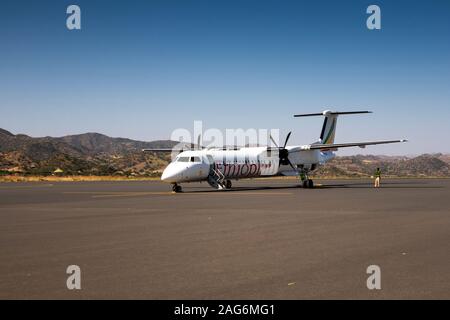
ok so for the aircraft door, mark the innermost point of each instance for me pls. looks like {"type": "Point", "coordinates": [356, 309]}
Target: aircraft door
{"type": "Point", "coordinates": [211, 162]}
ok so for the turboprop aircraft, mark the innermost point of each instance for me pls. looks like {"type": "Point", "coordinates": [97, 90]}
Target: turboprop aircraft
{"type": "Point", "coordinates": [218, 166]}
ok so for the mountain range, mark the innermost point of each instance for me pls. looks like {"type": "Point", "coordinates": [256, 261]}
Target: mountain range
{"type": "Point", "coordinates": [98, 154]}
{"type": "Point", "coordinates": [83, 154]}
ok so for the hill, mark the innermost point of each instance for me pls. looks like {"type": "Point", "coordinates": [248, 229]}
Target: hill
{"type": "Point", "coordinates": [83, 154]}
{"type": "Point", "coordinates": [98, 154]}
{"type": "Point", "coordinates": [426, 165]}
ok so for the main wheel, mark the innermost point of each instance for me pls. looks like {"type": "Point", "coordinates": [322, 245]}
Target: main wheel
{"type": "Point", "coordinates": [310, 184]}
{"type": "Point", "coordinates": [228, 184]}
{"type": "Point", "coordinates": [305, 184]}
{"type": "Point", "coordinates": [176, 188]}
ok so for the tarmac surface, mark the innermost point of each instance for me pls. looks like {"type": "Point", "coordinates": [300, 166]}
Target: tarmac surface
{"type": "Point", "coordinates": [264, 239]}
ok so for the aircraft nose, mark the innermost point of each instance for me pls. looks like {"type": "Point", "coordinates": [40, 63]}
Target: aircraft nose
{"type": "Point", "coordinates": [170, 174]}
{"type": "Point", "coordinates": [166, 176]}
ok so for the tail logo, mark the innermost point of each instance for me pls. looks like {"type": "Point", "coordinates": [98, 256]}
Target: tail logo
{"type": "Point", "coordinates": [330, 136]}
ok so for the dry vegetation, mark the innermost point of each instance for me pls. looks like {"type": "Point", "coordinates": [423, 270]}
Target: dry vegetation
{"type": "Point", "coordinates": [18, 178]}
{"type": "Point", "coordinates": [96, 157]}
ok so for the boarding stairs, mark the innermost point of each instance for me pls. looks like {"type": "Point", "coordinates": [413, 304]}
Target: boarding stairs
{"type": "Point", "coordinates": [216, 179]}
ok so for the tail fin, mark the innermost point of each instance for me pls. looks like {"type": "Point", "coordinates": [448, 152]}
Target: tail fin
{"type": "Point", "coordinates": [328, 129]}
{"type": "Point", "coordinates": [329, 123]}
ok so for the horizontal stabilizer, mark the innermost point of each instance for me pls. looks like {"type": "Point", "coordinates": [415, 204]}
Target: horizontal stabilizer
{"type": "Point", "coordinates": [327, 112]}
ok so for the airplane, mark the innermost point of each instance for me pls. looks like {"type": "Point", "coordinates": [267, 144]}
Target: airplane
{"type": "Point", "coordinates": [218, 166]}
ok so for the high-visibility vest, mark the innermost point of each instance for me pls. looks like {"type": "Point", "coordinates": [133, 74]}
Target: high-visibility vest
{"type": "Point", "coordinates": [378, 174]}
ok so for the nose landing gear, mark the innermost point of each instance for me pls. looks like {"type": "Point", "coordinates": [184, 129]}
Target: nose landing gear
{"type": "Point", "coordinates": [176, 188]}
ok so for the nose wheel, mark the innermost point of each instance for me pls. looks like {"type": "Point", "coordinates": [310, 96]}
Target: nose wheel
{"type": "Point", "coordinates": [176, 188]}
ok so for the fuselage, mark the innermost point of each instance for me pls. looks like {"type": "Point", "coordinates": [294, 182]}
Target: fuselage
{"type": "Point", "coordinates": [252, 162]}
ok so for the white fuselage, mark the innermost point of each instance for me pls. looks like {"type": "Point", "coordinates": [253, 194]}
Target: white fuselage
{"type": "Point", "coordinates": [251, 162]}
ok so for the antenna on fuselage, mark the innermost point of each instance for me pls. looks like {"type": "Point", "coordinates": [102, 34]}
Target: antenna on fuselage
{"type": "Point", "coordinates": [199, 143]}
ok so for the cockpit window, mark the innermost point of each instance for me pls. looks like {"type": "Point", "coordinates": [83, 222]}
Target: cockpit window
{"type": "Point", "coordinates": [195, 159]}
{"type": "Point", "coordinates": [183, 159]}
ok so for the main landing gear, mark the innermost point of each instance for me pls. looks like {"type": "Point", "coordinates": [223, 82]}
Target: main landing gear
{"type": "Point", "coordinates": [308, 183]}
{"type": "Point", "coordinates": [176, 188]}
{"type": "Point", "coordinates": [228, 184]}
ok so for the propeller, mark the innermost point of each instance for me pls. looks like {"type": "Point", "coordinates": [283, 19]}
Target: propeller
{"type": "Point", "coordinates": [283, 152]}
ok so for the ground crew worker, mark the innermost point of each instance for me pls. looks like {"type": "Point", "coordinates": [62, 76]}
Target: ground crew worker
{"type": "Point", "coordinates": [377, 178]}
{"type": "Point", "coordinates": [302, 176]}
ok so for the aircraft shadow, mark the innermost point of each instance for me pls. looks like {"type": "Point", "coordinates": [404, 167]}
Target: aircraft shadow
{"type": "Point", "coordinates": [237, 189]}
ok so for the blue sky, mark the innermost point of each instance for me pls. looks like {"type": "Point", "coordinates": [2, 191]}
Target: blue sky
{"type": "Point", "coordinates": [140, 69]}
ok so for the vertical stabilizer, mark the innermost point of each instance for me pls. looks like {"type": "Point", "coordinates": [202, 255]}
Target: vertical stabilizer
{"type": "Point", "coordinates": [328, 128]}
{"type": "Point", "coordinates": [328, 132]}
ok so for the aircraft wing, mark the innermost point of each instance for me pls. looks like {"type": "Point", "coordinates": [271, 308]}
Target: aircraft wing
{"type": "Point", "coordinates": [157, 150]}
{"type": "Point", "coordinates": [335, 146]}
